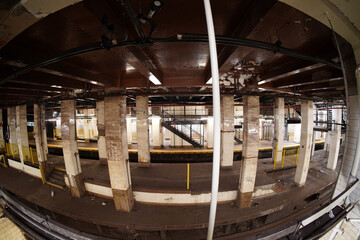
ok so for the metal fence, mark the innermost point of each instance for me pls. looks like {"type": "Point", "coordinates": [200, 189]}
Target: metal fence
{"type": "Point", "coordinates": [289, 158]}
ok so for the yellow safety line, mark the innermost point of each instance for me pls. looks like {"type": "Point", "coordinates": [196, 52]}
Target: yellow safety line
{"type": "Point", "coordinates": [54, 185]}
{"type": "Point", "coordinates": [188, 176]}
{"type": "Point", "coordinates": [175, 151]}
{"type": "Point", "coordinates": [60, 169]}
{"type": "Point", "coordinates": [275, 155]}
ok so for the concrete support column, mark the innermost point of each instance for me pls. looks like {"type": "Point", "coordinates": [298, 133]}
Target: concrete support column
{"type": "Point", "coordinates": [334, 137]}
{"type": "Point", "coordinates": [210, 132]}
{"type": "Point", "coordinates": [279, 114]}
{"type": "Point", "coordinates": [305, 142]}
{"type": "Point", "coordinates": [44, 134]}
{"type": "Point", "coordinates": [249, 151]}
{"type": "Point", "coordinates": [70, 149]}
{"type": "Point", "coordinates": [2, 141]}
{"type": "Point", "coordinates": [227, 131]}
{"type": "Point", "coordinates": [129, 131]}
{"type": "Point", "coordinates": [156, 132]}
{"type": "Point", "coordinates": [12, 128]}
{"type": "Point", "coordinates": [142, 128]}
{"type": "Point", "coordinates": [22, 134]}
{"type": "Point", "coordinates": [100, 116]}
{"type": "Point", "coordinates": [38, 129]}
{"type": "Point", "coordinates": [86, 126]}
{"type": "Point", "coordinates": [117, 152]}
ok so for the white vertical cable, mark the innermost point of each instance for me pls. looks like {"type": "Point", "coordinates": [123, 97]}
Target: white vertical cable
{"type": "Point", "coordinates": [216, 113]}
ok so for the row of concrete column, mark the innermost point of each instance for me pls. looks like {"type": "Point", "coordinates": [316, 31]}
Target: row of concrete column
{"type": "Point", "coordinates": [113, 147]}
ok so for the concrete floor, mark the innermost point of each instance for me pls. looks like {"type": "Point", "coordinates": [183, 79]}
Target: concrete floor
{"type": "Point", "coordinates": [288, 202]}
{"type": "Point", "coordinates": [152, 217]}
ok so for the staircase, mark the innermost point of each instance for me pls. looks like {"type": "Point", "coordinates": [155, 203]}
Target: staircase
{"type": "Point", "coordinates": [238, 140]}
{"type": "Point", "coordinates": [57, 177]}
{"type": "Point", "coordinates": [182, 135]}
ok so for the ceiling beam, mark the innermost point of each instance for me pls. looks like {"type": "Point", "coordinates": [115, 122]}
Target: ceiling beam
{"type": "Point", "coordinates": [292, 73]}
{"type": "Point", "coordinates": [247, 22]}
{"type": "Point", "coordinates": [16, 86]}
{"type": "Point", "coordinates": [140, 59]}
{"type": "Point", "coordinates": [41, 85]}
{"type": "Point", "coordinates": [333, 84]}
{"type": "Point", "coordinates": [305, 82]}
{"type": "Point", "coordinates": [77, 74]}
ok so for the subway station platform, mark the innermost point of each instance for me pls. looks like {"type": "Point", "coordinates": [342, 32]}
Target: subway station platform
{"type": "Point", "coordinates": [276, 200]}
{"type": "Point", "coordinates": [169, 154]}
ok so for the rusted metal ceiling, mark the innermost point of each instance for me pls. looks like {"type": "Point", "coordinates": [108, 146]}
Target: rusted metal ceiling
{"type": "Point", "coordinates": [175, 64]}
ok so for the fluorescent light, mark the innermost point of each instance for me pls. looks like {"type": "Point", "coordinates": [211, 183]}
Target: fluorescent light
{"type": "Point", "coordinates": [129, 67]}
{"type": "Point", "coordinates": [209, 81]}
{"type": "Point", "coordinates": [56, 86]}
{"type": "Point", "coordinates": [202, 64]}
{"type": "Point", "coordinates": [154, 79]}
{"type": "Point", "coordinates": [94, 82]}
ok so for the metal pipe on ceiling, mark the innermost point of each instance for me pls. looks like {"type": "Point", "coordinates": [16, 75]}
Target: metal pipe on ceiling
{"type": "Point", "coordinates": [248, 43]}
{"type": "Point", "coordinates": [217, 120]}
{"type": "Point", "coordinates": [111, 43]}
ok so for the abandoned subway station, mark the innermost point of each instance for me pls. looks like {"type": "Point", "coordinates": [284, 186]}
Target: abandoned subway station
{"type": "Point", "coordinates": [156, 119]}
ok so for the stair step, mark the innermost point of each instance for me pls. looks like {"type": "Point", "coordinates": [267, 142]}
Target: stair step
{"type": "Point", "coordinates": [57, 177]}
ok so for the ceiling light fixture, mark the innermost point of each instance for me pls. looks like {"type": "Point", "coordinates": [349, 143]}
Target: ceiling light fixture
{"type": "Point", "coordinates": [154, 79]}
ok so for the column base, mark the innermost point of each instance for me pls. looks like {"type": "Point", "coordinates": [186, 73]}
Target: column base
{"type": "Point", "coordinates": [77, 185]}
{"type": "Point", "coordinates": [123, 199]}
{"type": "Point", "coordinates": [103, 161]}
{"type": "Point", "coordinates": [299, 184]}
{"type": "Point", "coordinates": [229, 167]}
{"type": "Point", "coordinates": [244, 199]}
{"type": "Point", "coordinates": [144, 164]}
{"type": "Point", "coordinates": [45, 170]}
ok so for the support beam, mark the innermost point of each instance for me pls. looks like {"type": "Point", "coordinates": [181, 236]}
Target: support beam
{"type": "Point", "coordinates": [12, 128]}
{"type": "Point", "coordinates": [70, 149]}
{"type": "Point", "coordinates": [22, 134]}
{"type": "Point", "coordinates": [39, 121]}
{"type": "Point", "coordinates": [44, 134]}
{"type": "Point", "coordinates": [278, 140]}
{"type": "Point", "coordinates": [227, 131]}
{"type": "Point", "coordinates": [2, 140]}
{"type": "Point", "coordinates": [250, 150]}
{"type": "Point", "coordinates": [137, 57]}
{"type": "Point", "coordinates": [86, 126]}
{"type": "Point", "coordinates": [293, 73]}
{"type": "Point", "coordinates": [100, 116]}
{"type": "Point", "coordinates": [246, 23]}
{"type": "Point", "coordinates": [334, 137]}
{"type": "Point", "coordinates": [305, 142]}
{"type": "Point", "coordinates": [142, 130]}
{"type": "Point", "coordinates": [156, 128]}
{"type": "Point", "coordinates": [117, 152]}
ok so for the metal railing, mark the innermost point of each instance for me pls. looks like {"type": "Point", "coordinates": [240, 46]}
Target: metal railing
{"type": "Point", "coordinates": [289, 158]}
{"type": "Point", "coordinates": [12, 150]}
{"type": "Point", "coordinates": [29, 153]}
{"type": "Point", "coordinates": [2, 160]}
